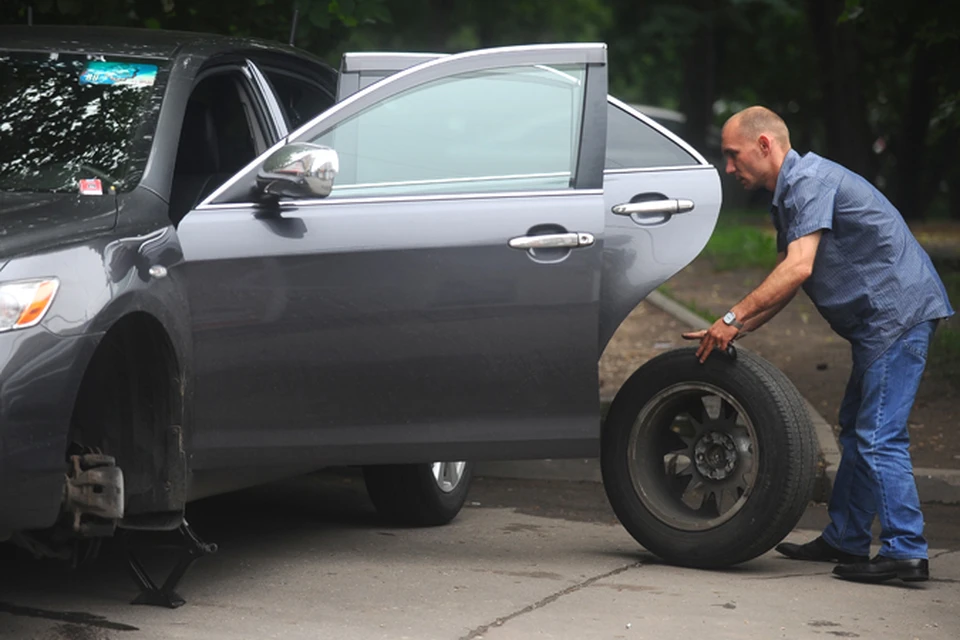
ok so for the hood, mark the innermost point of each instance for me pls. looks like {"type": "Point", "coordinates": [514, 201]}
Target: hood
{"type": "Point", "coordinates": [32, 222]}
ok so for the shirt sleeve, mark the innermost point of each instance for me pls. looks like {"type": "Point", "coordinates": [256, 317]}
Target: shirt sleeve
{"type": "Point", "coordinates": [809, 208]}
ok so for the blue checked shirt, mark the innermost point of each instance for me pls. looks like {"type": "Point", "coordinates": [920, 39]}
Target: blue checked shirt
{"type": "Point", "coordinates": [871, 278]}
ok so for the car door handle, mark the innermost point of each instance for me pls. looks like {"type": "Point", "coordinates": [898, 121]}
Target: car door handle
{"type": "Point", "coordinates": [553, 241]}
{"type": "Point", "coordinates": [654, 207]}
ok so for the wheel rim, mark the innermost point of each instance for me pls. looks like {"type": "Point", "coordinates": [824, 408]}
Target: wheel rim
{"type": "Point", "coordinates": [448, 475]}
{"type": "Point", "coordinates": [693, 456]}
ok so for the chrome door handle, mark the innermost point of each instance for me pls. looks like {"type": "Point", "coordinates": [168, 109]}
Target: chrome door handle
{"type": "Point", "coordinates": [553, 241]}
{"type": "Point", "coordinates": [654, 207]}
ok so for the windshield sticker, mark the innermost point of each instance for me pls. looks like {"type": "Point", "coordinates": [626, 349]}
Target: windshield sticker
{"type": "Point", "coordinates": [91, 187]}
{"type": "Point", "coordinates": [122, 73]}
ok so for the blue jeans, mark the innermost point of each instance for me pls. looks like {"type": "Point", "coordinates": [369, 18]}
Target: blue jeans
{"type": "Point", "coordinates": [875, 477]}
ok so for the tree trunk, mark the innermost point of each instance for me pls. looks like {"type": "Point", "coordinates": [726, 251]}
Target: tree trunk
{"type": "Point", "coordinates": [700, 75]}
{"type": "Point", "coordinates": [912, 198]}
{"type": "Point", "coordinates": [843, 105]}
{"type": "Point", "coordinates": [942, 166]}
{"type": "Point", "coordinates": [437, 35]}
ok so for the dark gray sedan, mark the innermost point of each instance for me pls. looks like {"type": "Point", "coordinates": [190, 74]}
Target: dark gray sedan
{"type": "Point", "coordinates": [225, 263]}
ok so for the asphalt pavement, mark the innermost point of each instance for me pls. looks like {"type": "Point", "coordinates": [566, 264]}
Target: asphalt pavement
{"type": "Point", "coordinates": [308, 559]}
{"type": "Point", "coordinates": [536, 553]}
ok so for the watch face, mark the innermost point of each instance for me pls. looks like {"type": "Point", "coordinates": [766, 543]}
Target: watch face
{"type": "Point", "coordinates": [729, 317]}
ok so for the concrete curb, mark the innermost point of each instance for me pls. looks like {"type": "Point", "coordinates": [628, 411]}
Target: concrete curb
{"type": "Point", "coordinates": [934, 485]}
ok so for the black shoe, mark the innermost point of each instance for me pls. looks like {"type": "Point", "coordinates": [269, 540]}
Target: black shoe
{"type": "Point", "coordinates": [819, 551]}
{"type": "Point", "coordinates": [880, 569]}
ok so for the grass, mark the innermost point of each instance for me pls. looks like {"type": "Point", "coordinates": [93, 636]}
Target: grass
{"type": "Point", "coordinates": [690, 305]}
{"type": "Point", "coordinates": [746, 239]}
{"type": "Point", "coordinates": [741, 240]}
{"type": "Point", "coordinates": [945, 350]}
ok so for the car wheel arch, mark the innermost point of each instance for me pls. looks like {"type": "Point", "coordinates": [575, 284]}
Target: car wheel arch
{"type": "Point", "coordinates": [130, 404]}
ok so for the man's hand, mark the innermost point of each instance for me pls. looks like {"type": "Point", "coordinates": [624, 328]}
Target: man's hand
{"type": "Point", "coordinates": [719, 336]}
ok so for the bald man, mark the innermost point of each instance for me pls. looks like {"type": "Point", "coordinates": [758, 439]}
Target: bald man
{"type": "Point", "coordinates": [841, 240]}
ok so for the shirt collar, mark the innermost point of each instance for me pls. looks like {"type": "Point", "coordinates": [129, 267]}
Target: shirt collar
{"type": "Point", "coordinates": [789, 162]}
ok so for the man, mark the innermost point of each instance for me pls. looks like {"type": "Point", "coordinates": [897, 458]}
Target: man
{"type": "Point", "coordinates": [842, 240]}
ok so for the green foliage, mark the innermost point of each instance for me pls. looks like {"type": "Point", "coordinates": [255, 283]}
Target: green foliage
{"type": "Point", "coordinates": [945, 350]}
{"type": "Point", "coordinates": [322, 24]}
{"type": "Point", "coordinates": [708, 58]}
{"type": "Point", "coordinates": [735, 246]}
{"type": "Point", "coordinates": [703, 312]}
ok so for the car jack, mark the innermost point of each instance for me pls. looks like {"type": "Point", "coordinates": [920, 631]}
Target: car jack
{"type": "Point", "coordinates": [164, 596]}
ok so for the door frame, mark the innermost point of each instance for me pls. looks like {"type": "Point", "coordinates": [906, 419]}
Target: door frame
{"type": "Point", "coordinates": [588, 173]}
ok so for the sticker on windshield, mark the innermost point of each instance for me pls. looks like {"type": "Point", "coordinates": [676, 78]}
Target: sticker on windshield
{"type": "Point", "coordinates": [122, 73]}
{"type": "Point", "coordinates": [91, 187]}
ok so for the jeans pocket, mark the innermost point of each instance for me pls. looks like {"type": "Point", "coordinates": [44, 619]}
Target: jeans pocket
{"type": "Point", "coordinates": [917, 343]}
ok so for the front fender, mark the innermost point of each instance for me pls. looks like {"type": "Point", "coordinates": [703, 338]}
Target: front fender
{"type": "Point", "coordinates": [41, 368]}
{"type": "Point", "coordinates": [107, 278]}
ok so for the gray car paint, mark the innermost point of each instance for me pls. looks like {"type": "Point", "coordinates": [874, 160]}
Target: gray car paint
{"type": "Point", "coordinates": [397, 329]}
{"type": "Point", "coordinates": [640, 254]}
{"type": "Point", "coordinates": [533, 335]}
{"type": "Point", "coordinates": [101, 249]}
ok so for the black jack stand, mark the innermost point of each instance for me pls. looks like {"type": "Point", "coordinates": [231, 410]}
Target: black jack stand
{"type": "Point", "coordinates": [165, 596]}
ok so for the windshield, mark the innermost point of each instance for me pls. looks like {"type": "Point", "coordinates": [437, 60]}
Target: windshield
{"type": "Point", "coordinates": [76, 123]}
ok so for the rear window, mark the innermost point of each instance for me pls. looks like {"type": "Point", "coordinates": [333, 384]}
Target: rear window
{"type": "Point", "coordinates": [67, 118]}
{"type": "Point", "coordinates": [633, 144]}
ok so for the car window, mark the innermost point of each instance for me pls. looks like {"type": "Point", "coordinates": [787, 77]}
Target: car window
{"type": "Point", "coordinates": [633, 144]}
{"type": "Point", "coordinates": [219, 136]}
{"type": "Point", "coordinates": [300, 99]}
{"type": "Point", "coordinates": [69, 117]}
{"type": "Point", "coordinates": [508, 129]}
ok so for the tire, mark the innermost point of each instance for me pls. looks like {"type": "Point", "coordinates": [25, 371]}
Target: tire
{"type": "Point", "coordinates": [708, 465]}
{"type": "Point", "coordinates": [419, 495]}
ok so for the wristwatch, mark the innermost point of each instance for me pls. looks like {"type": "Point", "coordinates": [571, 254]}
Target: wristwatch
{"type": "Point", "coordinates": [731, 319]}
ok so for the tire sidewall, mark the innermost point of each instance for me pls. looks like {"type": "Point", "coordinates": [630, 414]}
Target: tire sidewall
{"type": "Point", "coordinates": [446, 502]}
{"type": "Point", "coordinates": [725, 543]}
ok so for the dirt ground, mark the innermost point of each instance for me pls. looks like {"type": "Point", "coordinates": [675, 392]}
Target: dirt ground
{"type": "Point", "coordinates": [798, 341]}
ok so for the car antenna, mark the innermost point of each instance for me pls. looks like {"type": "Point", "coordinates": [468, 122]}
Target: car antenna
{"type": "Point", "coordinates": [293, 27]}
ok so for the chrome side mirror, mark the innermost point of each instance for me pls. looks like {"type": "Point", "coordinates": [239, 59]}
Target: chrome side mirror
{"type": "Point", "coordinates": [299, 170]}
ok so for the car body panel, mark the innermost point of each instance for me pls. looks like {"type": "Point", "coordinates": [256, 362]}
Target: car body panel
{"type": "Point", "coordinates": [397, 329]}
{"type": "Point", "coordinates": [361, 341]}
{"type": "Point", "coordinates": [639, 254]}
{"type": "Point", "coordinates": [360, 331]}
{"type": "Point", "coordinates": [104, 276]}
{"type": "Point", "coordinates": [38, 222]}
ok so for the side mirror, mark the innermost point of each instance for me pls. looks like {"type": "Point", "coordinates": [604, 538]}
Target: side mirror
{"type": "Point", "coordinates": [299, 170]}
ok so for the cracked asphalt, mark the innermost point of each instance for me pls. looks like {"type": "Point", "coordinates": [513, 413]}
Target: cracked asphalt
{"type": "Point", "coordinates": [308, 558]}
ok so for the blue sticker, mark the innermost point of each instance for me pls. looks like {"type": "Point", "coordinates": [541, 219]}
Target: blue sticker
{"type": "Point", "coordinates": [122, 73]}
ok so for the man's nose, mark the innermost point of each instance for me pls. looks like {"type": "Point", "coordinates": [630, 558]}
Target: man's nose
{"type": "Point", "coordinates": [730, 168]}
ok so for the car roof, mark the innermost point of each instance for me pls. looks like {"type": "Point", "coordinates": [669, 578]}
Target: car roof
{"type": "Point", "coordinates": [129, 41]}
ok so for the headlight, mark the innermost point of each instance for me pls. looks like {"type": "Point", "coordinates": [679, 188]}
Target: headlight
{"type": "Point", "coordinates": [23, 304]}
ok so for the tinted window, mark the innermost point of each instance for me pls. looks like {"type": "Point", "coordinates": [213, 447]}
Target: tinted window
{"type": "Point", "coordinates": [633, 144]}
{"type": "Point", "coordinates": [504, 129]}
{"type": "Point", "coordinates": [66, 117]}
{"type": "Point", "coordinates": [300, 100]}
{"type": "Point", "coordinates": [217, 139]}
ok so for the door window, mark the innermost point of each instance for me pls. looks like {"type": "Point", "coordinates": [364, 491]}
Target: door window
{"type": "Point", "coordinates": [300, 99]}
{"type": "Point", "coordinates": [220, 134]}
{"type": "Point", "coordinates": [633, 144]}
{"type": "Point", "coordinates": [509, 129]}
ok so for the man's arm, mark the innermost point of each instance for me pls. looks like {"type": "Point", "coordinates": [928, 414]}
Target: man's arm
{"type": "Point", "coordinates": [761, 319]}
{"type": "Point", "coordinates": [766, 300]}
{"type": "Point", "coordinates": [782, 283]}
{"type": "Point", "coordinates": [754, 323]}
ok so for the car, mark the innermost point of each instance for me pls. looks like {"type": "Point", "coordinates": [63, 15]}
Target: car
{"type": "Point", "coordinates": [226, 263]}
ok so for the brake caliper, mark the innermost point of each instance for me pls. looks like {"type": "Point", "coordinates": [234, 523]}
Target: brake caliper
{"type": "Point", "coordinates": [93, 494]}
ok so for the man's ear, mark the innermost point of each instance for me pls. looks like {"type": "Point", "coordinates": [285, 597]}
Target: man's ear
{"type": "Point", "coordinates": [764, 142]}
